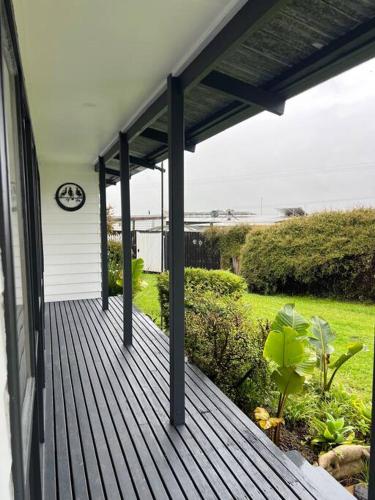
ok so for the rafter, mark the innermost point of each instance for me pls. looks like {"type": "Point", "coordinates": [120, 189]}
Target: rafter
{"type": "Point", "coordinates": [249, 94]}
{"type": "Point", "coordinates": [162, 137]}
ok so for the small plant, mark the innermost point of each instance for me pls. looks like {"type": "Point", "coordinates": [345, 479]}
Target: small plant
{"type": "Point", "coordinates": [363, 421]}
{"type": "Point", "coordinates": [332, 432]}
{"type": "Point", "coordinates": [321, 339]}
{"type": "Point", "coordinates": [287, 350]}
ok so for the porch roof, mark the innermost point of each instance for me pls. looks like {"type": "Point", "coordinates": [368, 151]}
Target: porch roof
{"type": "Point", "coordinates": [268, 52]}
{"type": "Point", "coordinates": [108, 434]}
{"type": "Point", "coordinates": [100, 70]}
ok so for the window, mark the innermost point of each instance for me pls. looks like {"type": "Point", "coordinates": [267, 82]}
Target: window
{"type": "Point", "coordinates": [18, 224]}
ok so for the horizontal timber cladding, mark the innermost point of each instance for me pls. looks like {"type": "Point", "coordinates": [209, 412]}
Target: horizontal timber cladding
{"type": "Point", "coordinates": [71, 238]}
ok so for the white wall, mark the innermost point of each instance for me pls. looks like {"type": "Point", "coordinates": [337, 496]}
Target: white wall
{"type": "Point", "coordinates": [71, 240]}
{"type": "Point", "coordinates": [6, 483]}
{"type": "Point", "coordinates": [149, 249]}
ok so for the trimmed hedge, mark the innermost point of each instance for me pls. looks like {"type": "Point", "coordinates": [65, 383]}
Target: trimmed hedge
{"type": "Point", "coordinates": [229, 241]}
{"type": "Point", "coordinates": [218, 282]}
{"type": "Point", "coordinates": [325, 254]}
{"type": "Point", "coordinates": [228, 347]}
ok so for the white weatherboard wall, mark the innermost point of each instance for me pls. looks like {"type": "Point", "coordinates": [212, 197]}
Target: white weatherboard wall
{"type": "Point", "coordinates": [71, 240]}
{"type": "Point", "coordinates": [6, 483]}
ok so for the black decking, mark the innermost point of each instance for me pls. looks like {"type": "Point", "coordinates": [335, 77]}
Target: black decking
{"type": "Point", "coordinates": [108, 434]}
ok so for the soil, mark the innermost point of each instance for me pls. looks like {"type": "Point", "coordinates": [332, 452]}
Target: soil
{"type": "Point", "coordinates": [294, 440]}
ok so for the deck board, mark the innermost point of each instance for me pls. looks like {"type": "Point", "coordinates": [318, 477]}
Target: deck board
{"type": "Point", "coordinates": [108, 434]}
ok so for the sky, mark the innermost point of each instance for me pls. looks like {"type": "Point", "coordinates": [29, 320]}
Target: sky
{"type": "Point", "coordinates": [319, 155]}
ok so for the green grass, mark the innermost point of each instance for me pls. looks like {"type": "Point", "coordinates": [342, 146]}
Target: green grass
{"type": "Point", "coordinates": [147, 300]}
{"type": "Point", "coordinates": [351, 322]}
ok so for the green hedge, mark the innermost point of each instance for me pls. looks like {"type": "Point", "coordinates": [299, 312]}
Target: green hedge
{"type": "Point", "coordinates": [229, 241]}
{"type": "Point", "coordinates": [228, 347]}
{"type": "Point", "coordinates": [326, 254]}
{"type": "Point", "coordinates": [218, 282]}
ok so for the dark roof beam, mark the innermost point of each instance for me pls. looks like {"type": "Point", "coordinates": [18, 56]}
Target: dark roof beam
{"type": "Point", "coordinates": [248, 19]}
{"type": "Point", "coordinates": [152, 113]}
{"type": "Point", "coordinates": [162, 137]}
{"type": "Point", "coordinates": [245, 92]}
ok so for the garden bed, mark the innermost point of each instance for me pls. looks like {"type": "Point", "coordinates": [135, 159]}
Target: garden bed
{"type": "Point", "coordinates": [211, 317]}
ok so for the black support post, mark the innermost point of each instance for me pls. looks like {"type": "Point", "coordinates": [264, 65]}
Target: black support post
{"type": "Point", "coordinates": [126, 239]}
{"type": "Point", "coordinates": [103, 233]}
{"type": "Point", "coordinates": [176, 135]}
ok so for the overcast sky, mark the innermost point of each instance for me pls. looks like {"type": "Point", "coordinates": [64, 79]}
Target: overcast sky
{"type": "Point", "coordinates": [319, 155]}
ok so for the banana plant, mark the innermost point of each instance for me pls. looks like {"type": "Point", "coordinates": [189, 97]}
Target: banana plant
{"type": "Point", "coordinates": [288, 351]}
{"type": "Point", "coordinates": [352, 350]}
{"type": "Point", "coordinates": [138, 284]}
{"type": "Point", "coordinates": [320, 338]}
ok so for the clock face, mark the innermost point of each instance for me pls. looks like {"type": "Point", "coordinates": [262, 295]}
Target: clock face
{"type": "Point", "coordinates": [70, 196]}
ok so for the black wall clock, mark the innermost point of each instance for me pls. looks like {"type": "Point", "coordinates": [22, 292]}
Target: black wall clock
{"type": "Point", "coordinates": [70, 196]}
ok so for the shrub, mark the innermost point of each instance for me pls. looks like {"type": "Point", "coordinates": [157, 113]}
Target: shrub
{"type": "Point", "coordinates": [326, 254]}
{"type": "Point", "coordinates": [115, 254]}
{"type": "Point", "coordinates": [114, 274]}
{"type": "Point", "coordinates": [230, 242]}
{"type": "Point", "coordinates": [114, 267]}
{"type": "Point", "coordinates": [218, 282]}
{"type": "Point", "coordinates": [224, 344]}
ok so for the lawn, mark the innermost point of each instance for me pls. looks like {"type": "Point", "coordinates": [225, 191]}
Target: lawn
{"type": "Point", "coordinates": [351, 322]}
{"type": "Point", "coordinates": [147, 300]}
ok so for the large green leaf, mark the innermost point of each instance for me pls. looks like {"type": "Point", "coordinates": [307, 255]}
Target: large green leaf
{"type": "Point", "coordinates": [288, 316]}
{"type": "Point", "coordinates": [285, 347]}
{"type": "Point", "coordinates": [307, 366]}
{"type": "Point", "coordinates": [322, 336]}
{"type": "Point", "coordinates": [288, 381]}
{"type": "Point", "coordinates": [352, 350]}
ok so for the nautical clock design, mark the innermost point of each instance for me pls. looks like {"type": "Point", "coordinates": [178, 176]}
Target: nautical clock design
{"type": "Point", "coordinates": [70, 196]}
